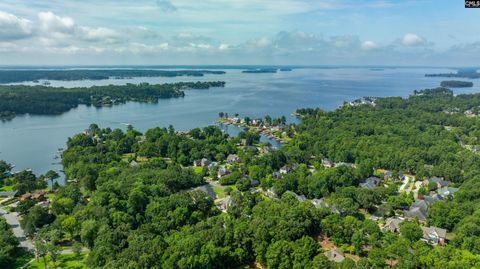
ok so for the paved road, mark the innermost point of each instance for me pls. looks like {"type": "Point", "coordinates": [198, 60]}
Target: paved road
{"type": "Point", "coordinates": [12, 220]}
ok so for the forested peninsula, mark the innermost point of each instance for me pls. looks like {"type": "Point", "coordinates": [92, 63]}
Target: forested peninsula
{"type": "Point", "coordinates": [21, 99]}
{"type": "Point", "coordinates": [390, 183]}
{"type": "Point", "coordinates": [12, 76]}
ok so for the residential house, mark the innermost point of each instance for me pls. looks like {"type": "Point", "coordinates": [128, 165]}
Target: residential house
{"type": "Point", "coordinates": [133, 163]}
{"type": "Point", "coordinates": [418, 210]}
{"type": "Point", "coordinates": [256, 122]}
{"type": "Point", "coordinates": [276, 174]}
{"type": "Point", "coordinates": [233, 158]}
{"type": "Point", "coordinates": [223, 171]}
{"type": "Point", "coordinates": [205, 162]}
{"type": "Point", "coordinates": [88, 132]}
{"type": "Point", "coordinates": [35, 196]}
{"type": "Point", "coordinates": [351, 165]}
{"type": "Point", "coordinates": [243, 142]}
{"type": "Point", "coordinates": [434, 235]}
{"type": "Point", "coordinates": [387, 175]}
{"type": "Point", "coordinates": [197, 163]}
{"type": "Point", "coordinates": [212, 165]}
{"type": "Point", "coordinates": [318, 202]}
{"type": "Point", "coordinates": [265, 150]}
{"type": "Point", "coordinates": [300, 198]}
{"type": "Point", "coordinates": [270, 193]}
{"type": "Point", "coordinates": [207, 189]}
{"type": "Point", "coordinates": [371, 183]}
{"type": "Point", "coordinates": [431, 199]}
{"type": "Point", "coordinates": [446, 192]}
{"type": "Point", "coordinates": [227, 201]}
{"type": "Point", "coordinates": [254, 182]}
{"type": "Point", "coordinates": [439, 181]}
{"type": "Point", "coordinates": [335, 255]}
{"type": "Point", "coordinates": [285, 170]}
{"type": "Point", "coordinates": [7, 174]}
{"type": "Point", "coordinates": [327, 163]}
{"type": "Point", "coordinates": [393, 225]}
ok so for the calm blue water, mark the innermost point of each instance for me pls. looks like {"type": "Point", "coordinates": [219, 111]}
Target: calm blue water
{"type": "Point", "coordinates": [32, 141]}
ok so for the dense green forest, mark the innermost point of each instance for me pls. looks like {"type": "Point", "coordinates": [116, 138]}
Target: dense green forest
{"type": "Point", "coordinates": [21, 99]}
{"type": "Point", "coordinates": [11, 76]}
{"type": "Point", "coordinates": [133, 201]}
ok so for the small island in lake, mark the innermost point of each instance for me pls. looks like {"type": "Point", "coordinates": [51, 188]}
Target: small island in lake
{"type": "Point", "coordinates": [260, 71]}
{"type": "Point", "coordinates": [43, 100]}
{"type": "Point", "coordinates": [456, 84]}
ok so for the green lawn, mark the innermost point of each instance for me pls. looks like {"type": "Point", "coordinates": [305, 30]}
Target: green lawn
{"type": "Point", "coordinates": [219, 191]}
{"type": "Point", "coordinates": [64, 261]}
{"type": "Point", "coordinates": [7, 188]}
{"type": "Point", "coordinates": [198, 170]}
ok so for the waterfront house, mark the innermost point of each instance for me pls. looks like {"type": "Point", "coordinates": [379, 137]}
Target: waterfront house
{"type": "Point", "coordinates": [393, 225]}
{"type": "Point", "coordinates": [233, 158]}
{"type": "Point", "coordinates": [335, 255]}
{"type": "Point", "coordinates": [434, 235]}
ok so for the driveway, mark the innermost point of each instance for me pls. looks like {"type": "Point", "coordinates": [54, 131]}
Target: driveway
{"type": "Point", "coordinates": [13, 221]}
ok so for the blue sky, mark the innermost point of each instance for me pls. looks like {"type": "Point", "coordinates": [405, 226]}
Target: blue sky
{"type": "Point", "coordinates": [346, 32]}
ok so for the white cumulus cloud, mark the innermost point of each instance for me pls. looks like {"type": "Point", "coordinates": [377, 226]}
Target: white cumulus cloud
{"type": "Point", "coordinates": [369, 45]}
{"type": "Point", "coordinates": [412, 40]}
{"type": "Point", "coordinates": [13, 27]}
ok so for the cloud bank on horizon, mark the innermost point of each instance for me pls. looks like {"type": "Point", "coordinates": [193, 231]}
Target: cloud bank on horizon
{"type": "Point", "coordinates": [348, 32]}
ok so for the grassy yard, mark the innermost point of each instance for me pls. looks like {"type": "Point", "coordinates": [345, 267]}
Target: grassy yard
{"type": "Point", "coordinates": [219, 191]}
{"type": "Point", "coordinates": [7, 188]}
{"type": "Point", "coordinates": [64, 261]}
{"type": "Point", "coordinates": [197, 169]}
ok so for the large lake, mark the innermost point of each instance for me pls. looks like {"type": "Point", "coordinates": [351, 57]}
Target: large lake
{"type": "Point", "coordinates": [32, 141]}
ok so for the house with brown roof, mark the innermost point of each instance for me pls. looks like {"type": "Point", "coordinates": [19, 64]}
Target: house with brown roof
{"type": "Point", "coordinates": [434, 235]}
{"type": "Point", "coordinates": [233, 158]}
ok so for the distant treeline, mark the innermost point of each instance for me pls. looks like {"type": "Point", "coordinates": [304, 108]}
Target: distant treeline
{"type": "Point", "coordinates": [461, 73]}
{"type": "Point", "coordinates": [456, 84]}
{"type": "Point", "coordinates": [11, 76]}
{"type": "Point", "coordinates": [21, 99]}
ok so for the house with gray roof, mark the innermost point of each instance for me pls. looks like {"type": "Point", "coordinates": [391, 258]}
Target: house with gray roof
{"type": "Point", "coordinates": [446, 192]}
{"type": "Point", "coordinates": [393, 225]}
{"type": "Point", "coordinates": [371, 183]}
{"type": "Point", "coordinates": [335, 255]}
